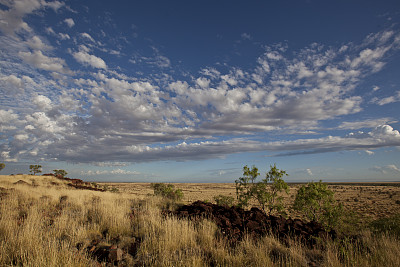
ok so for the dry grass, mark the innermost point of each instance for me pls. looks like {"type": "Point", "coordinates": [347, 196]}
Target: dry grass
{"type": "Point", "coordinates": [42, 221]}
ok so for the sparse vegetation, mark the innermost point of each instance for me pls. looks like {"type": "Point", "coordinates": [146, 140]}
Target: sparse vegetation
{"type": "Point", "coordinates": [55, 225]}
{"type": "Point", "coordinates": [167, 191]}
{"type": "Point", "coordinates": [316, 201]}
{"type": "Point", "coordinates": [60, 173]}
{"type": "Point", "coordinates": [34, 169]}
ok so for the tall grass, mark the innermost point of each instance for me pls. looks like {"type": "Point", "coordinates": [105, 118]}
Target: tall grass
{"type": "Point", "coordinates": [46, 223]}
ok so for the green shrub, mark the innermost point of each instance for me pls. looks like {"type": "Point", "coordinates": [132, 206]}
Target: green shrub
{"type": "Point", "coordinates": [267, 194]}
{"type": "Point", "coordinates": [61, 173]}
{"type": "Point", "coordinates": [390, 225]}
{"type": "Point", "coordinates": [167, 191]}
{"type": "Point", "coordinates": [224, 200]}
{"type": "Point", "coordinates": [317, 202]}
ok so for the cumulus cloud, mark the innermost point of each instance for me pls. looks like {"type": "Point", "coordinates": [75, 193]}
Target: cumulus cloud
{"type": "Point", "coordinates": [70, 22]}
{"type": "Point", "coordinates": [36, 43]}
{"type": "Point", "coordinates": [109, 116]}
{"type": "Point", "coordinates": [7, 120]}
{"type": "Point", "coordinates": [90, 60]}
{"type": "Point", "coordinates": [12, 84]}
{"type": "Point", "coordinates": [44, 62]}
{"type": "Point", "coordinates": [11, 19]}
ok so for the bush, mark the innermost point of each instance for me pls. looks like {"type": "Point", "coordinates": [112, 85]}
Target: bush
{"type": "Point", "coordinates": [224, 200]}
{"type": "Point", "coordinates": [264, 192]}
{"type": "Point", "coordinates": [60, 173]}
{"type": "Point", "coordinates": [167, 191]}
{"type": "Point", "coordinates": [390, 225]}
{"type": "Point", "coordinates": [35, 169]}
{"type": "Point", "coordinates": [316, 201]}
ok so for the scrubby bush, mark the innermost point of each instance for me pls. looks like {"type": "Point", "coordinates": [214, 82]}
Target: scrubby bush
{"type": "Point", "coordinates": [167, 191]}
{"type": "Point", "coordinates": [60, 173]}
{"type": "Point", "coordinates": [35, 169]}
{"type": "Point", "coordinates": [318, 204]}
{"type": "Point", "coordinates": [224, 200]}
{"type": "Point", "coordinates": [245, 185]}
{"type": "Point", "coordinates": [265, 192]}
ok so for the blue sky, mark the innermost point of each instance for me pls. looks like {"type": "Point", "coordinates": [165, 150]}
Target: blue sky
{"type": "Point", "coordinates": [191, 91]}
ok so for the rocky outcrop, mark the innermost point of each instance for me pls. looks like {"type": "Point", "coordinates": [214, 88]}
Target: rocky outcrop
{"type": "Point", "coordinates": [235, 222]}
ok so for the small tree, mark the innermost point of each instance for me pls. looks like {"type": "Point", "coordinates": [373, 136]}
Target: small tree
{"type": "Point", "coordinates": [60, 173]}
{"type": "Point", "coordinates": [267, 194]}
{"type": "Point", "coordinates": [2, 166]}
{"type": "Point", "coordinates": [35, 169]}
{"type": "Point", "coordinates": [318, 204]}
{"type": "Point", "coordinates": [245, 185]}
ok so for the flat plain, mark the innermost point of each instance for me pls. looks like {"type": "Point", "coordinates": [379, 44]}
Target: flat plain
{"type": "Point", "coordinates": [369, 200]}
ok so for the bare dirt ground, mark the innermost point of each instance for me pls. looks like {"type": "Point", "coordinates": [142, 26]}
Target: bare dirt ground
{"type": "Point", "coordinates": [370, 200]}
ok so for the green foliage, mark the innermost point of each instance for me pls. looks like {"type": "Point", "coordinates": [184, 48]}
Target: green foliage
{"type": "Point", "coordinates": [167, 191]}
{"type": "Point", "coordinates": [390, 225]}
{"type": "Point", "coordinates": [224, 200]}
{"type": "Point", "coordinates": [61, 173]}
{"type": "Point", "coordinates": [266, 192]}
{"type": "Point", "coordinates": [35, 169]}
{"type": "Point", "coordinates": [245, 185]}
{"type": "Point", "coordinates": [2, 166]}
{"type": "Point", "coordinates": [317, 202]}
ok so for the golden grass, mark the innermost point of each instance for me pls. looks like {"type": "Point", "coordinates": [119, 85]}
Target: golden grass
{"type": "Point", "coordinates": [43, 222]}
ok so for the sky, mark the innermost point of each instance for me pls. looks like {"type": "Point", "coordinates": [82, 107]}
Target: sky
{"type": "Point", "coordinates": [192, 91]}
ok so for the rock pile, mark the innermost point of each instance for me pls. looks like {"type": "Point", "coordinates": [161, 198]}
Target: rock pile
{"type": "Point", "coordinates": [235, 222]}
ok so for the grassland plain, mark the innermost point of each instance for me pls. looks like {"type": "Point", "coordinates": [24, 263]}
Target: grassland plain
{"type": "Point", "coordinates": [44, 222]}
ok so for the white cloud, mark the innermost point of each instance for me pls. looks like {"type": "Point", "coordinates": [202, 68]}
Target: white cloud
{"type": "Point", "coordinates": [370, 123]}
{"type": "Point", "coordinates": [87, 36]}
{"type": "Point", "coordinates": [375, 88]}
{"type": "Point", "coordinates": [11, 19]}
{"type": "Point", "coordinates": [386, 169]}
{"type": "Point", "coordinates": [36, 43]}
{"type": "Point", "coordinates": [41, 61]}
{"type": "Point", "coordinates": [109, 172]}
{"type": "Point", "coordinates": [42, 102]}
{"type": "Point", "coordinates": [12, 84]}
{"type": "Point", "coordinates": [64, 36]}
{"type": "Point", "coordinates": [70, 22]}
{"type": "Point", "coordinates": [369, 152]}
{"type": "Point", "coordinates": [91, 60]}
{"type": "Point", "coordinates": [387, 100]}
{"type": "Point", "coordinates": [7, 120]}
